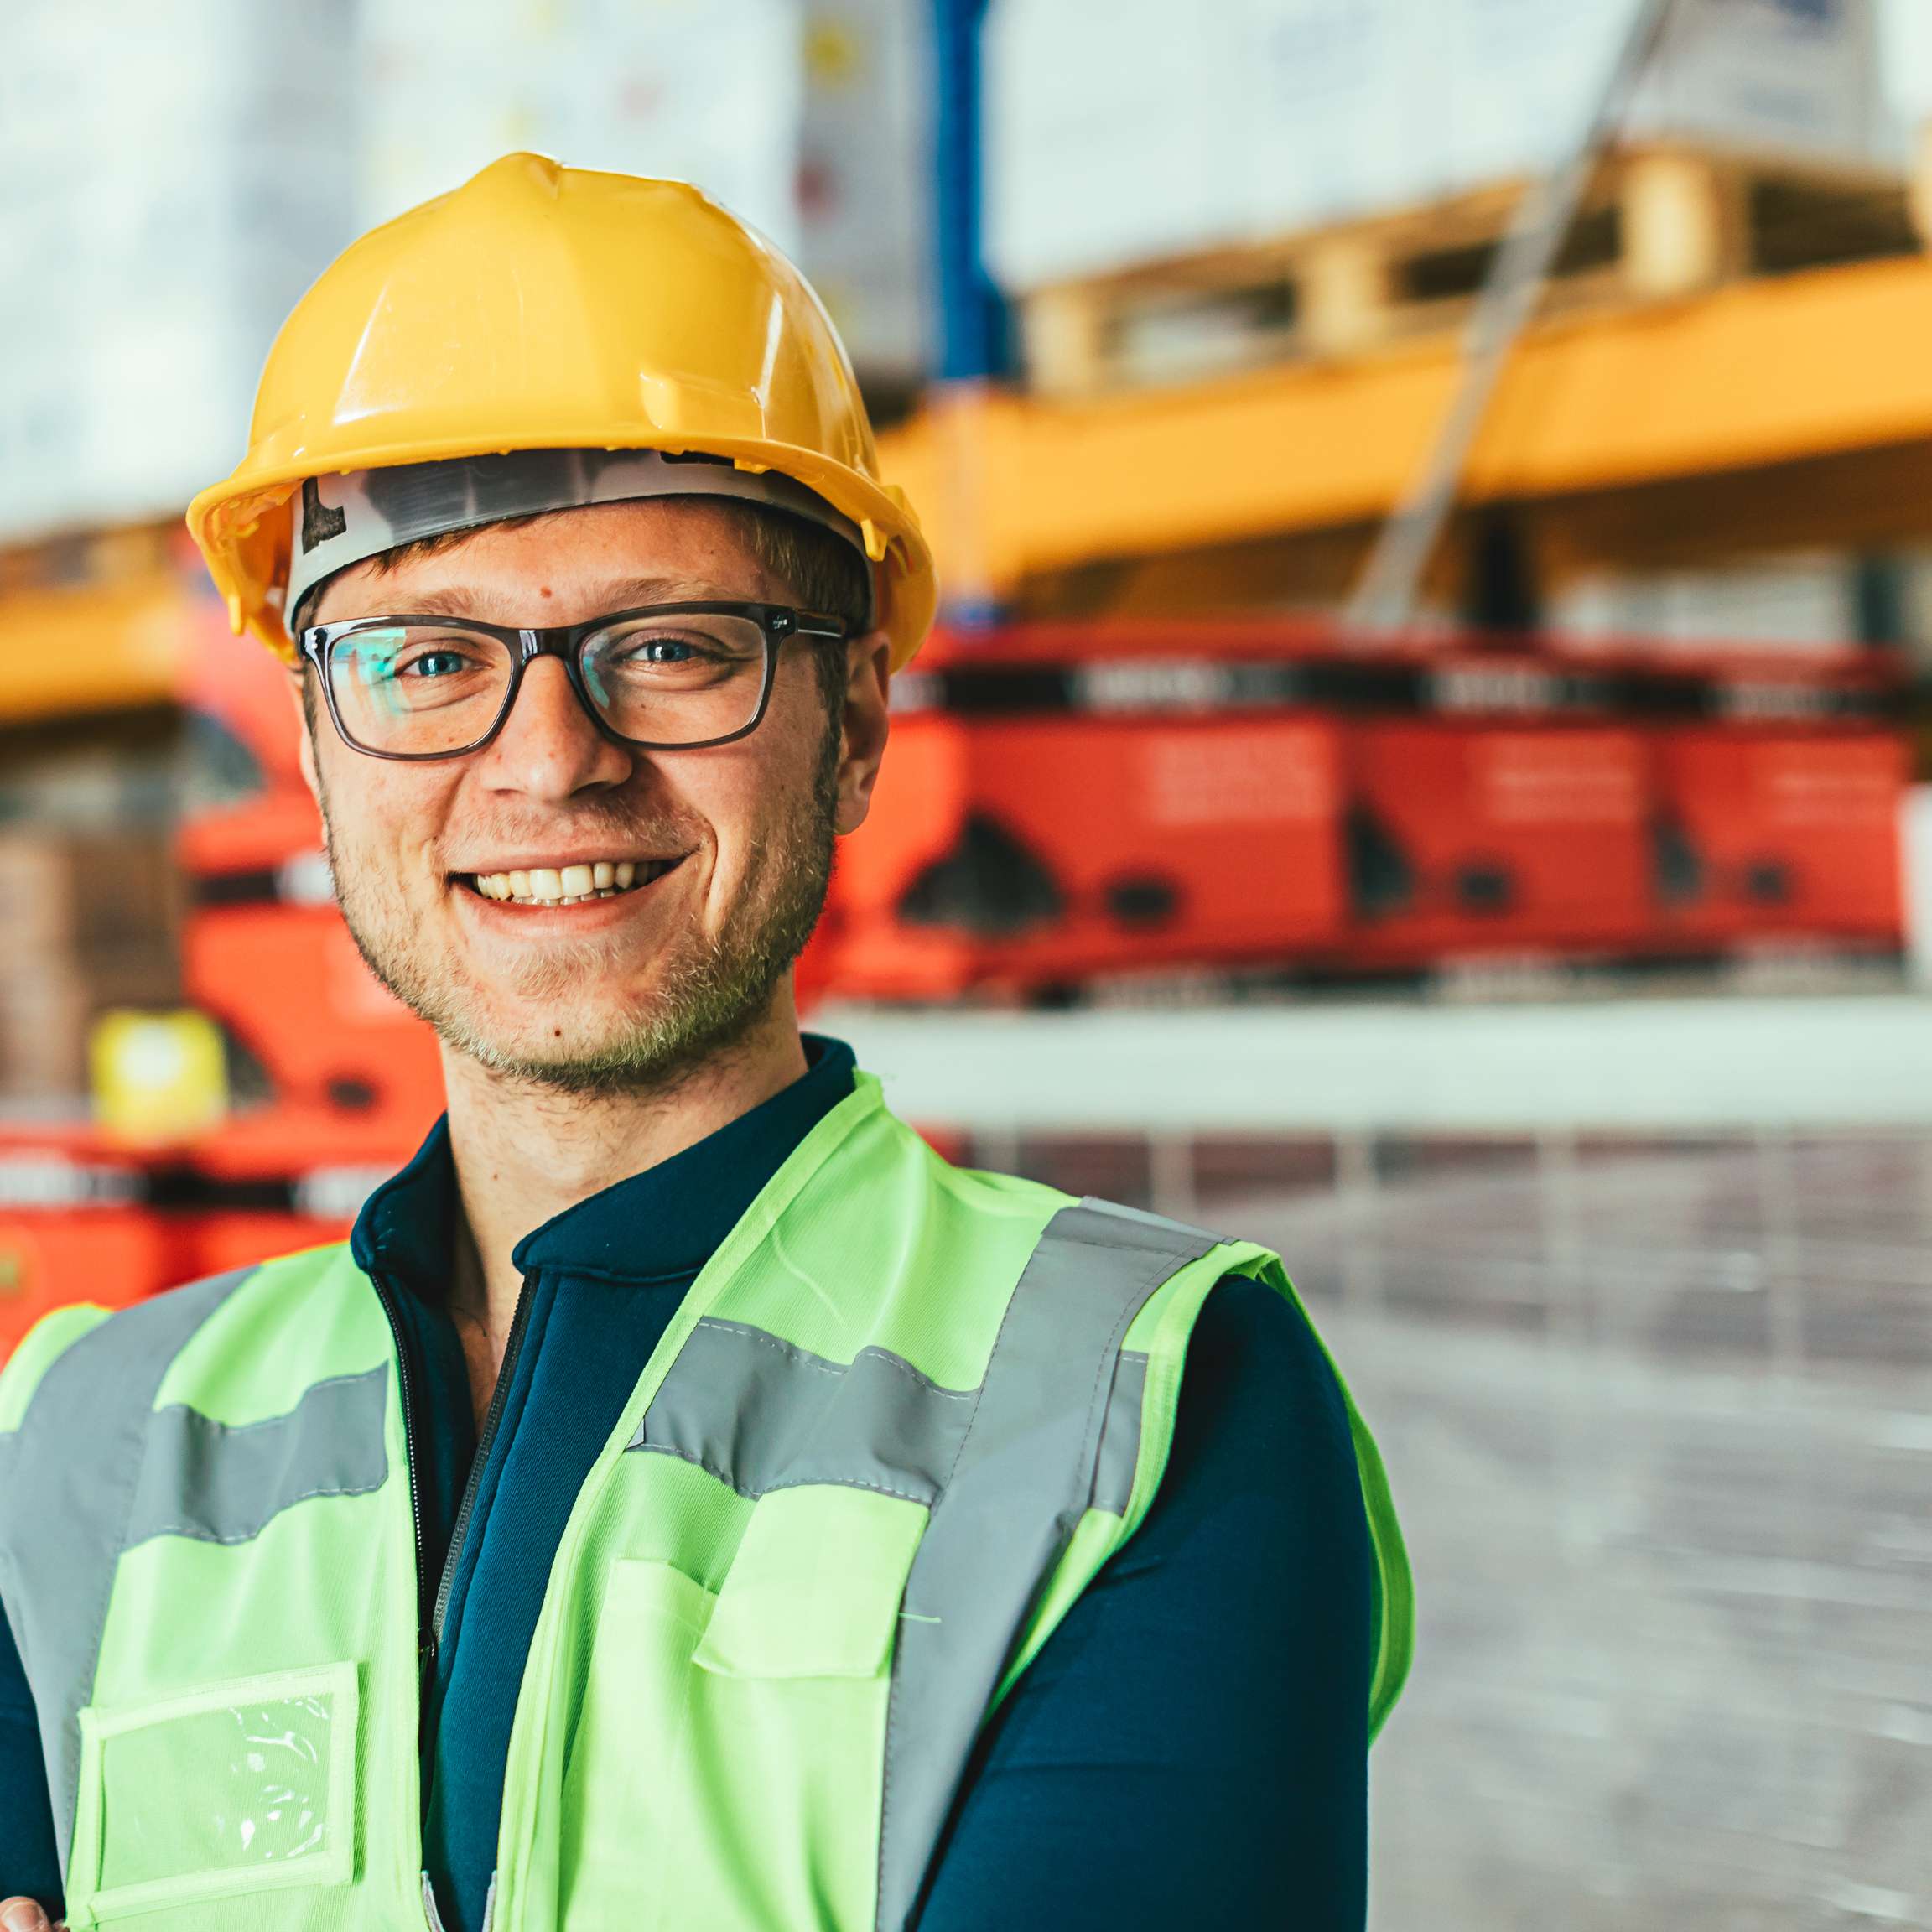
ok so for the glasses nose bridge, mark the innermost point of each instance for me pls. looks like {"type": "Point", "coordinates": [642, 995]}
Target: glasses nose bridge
{"type": "Point", "coordinates": [560, 642]}
{"type": "Point", "coordinates": [538, 641]}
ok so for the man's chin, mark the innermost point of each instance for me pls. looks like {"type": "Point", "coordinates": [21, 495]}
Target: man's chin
{"type": "Point", "coordinates": [572, 1064]}
{"type": "Point", "coordinates": [653, 1046]}
{"type": "Point", "coordinates": [580, 1021]}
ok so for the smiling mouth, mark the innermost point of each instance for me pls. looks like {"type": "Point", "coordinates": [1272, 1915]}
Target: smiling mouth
{"type": "Point", "coordinates": [567, 885]}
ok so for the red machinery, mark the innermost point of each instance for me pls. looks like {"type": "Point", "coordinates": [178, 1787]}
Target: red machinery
{"type": "Point", "coordinates": [1468, 837]}
{"type": "Point", "coordinates": [264, 949]}
{"type": "Point", "coordinates": [271, 1182]}
{"type": "Point", "coordinates": [82, 1219]}
{"type": "Point", "coordinates": [288, 984]}
{"type": "Point", "coordinates": [1051, 849]}
{"type": "Point", "coordinates": [74, 1225]}
{"type": "Point", "coordinates": [1066, 801]}
{"type": "Point", "coordinates": [1776, 815]}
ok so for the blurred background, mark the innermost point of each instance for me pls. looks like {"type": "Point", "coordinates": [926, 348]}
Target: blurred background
{"type": "Point", "coordinates": [1422, 765]}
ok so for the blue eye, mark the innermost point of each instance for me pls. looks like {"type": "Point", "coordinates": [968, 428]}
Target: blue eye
{"type": "Point", "coordinates": [383, 659]}
{"type": "Point", "coordinates": [424, 666]}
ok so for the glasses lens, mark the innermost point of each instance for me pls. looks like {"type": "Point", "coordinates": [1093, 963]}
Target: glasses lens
{"type": "Point", "coordinates": [677, 677]}
{"type": "Point", "coordinates": [417, 687]}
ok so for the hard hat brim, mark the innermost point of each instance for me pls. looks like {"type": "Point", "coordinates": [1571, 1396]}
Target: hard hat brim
{"type": "Point", "coordinates": [243, 527]}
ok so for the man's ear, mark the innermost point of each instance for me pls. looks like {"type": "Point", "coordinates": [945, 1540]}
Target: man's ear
{"type": "Point", "coordinates": [867, 703]}
{"type": "Point", "coordinates": [304, 732]}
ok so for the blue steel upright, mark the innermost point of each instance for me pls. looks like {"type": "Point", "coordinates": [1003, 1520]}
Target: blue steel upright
{"type": "Point", "coordinates": [972, 345]}
{"type": "Point", "coordinates": [973, 334]}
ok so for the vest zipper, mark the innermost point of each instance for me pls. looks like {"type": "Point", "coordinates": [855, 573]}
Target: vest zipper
{"type": "Point", "coordinates": [492, 1417]}
{"type": "Point", "coordinates": [405, 1383]}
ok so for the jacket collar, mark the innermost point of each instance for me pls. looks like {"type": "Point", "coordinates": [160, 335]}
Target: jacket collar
{"type": "Point", "coordinates": [663, 1223]}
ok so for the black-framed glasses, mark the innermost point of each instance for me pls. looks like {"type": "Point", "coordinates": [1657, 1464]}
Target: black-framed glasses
{"type": "Point", "coordinates": [668, 678]}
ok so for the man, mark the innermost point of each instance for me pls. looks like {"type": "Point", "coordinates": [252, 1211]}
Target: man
{"type": "Point", "coordinates": [685, 1501]}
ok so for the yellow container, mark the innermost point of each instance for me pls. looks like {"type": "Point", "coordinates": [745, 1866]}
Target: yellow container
{"type": "Point", "coordinates": [156, 1076]}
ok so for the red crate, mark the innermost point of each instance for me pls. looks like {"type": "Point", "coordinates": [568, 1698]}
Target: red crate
{"type": "Point", "coordinates": [1468, 838]}
{"type": "Point", "coordinates": [261, 818]}
{"type": "Point", "coordinates": [1779, 834]}
{"type": "Point", "coordinates": [241, 696]}
{"type": "Point", "coordinates": [1038, 850]}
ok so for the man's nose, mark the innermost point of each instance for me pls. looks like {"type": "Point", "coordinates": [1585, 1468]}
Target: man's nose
{"type": "Point", "coordinates": [550, 747]}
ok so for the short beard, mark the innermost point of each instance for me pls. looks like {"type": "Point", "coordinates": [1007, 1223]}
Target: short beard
{"type": "Point", "coordinates": [710, 994]}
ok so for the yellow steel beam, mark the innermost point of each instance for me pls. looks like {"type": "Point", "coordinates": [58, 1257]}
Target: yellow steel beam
{"type": "Point", "coordinates": [93, 648]}
{"type": "Point", "coordinates": [1760, 374]}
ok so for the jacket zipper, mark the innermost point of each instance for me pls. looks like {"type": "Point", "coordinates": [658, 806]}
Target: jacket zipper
{"type": "Point", "coordinates": [493, 1417]}
{"type": "Point", "coordinates": [406, 1381]}
{"type": "Point", "coordinates": [430, 1615]}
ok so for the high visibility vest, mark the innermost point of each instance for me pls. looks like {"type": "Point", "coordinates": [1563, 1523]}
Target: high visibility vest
{"type": "Point", "coordinates": [901, 1419]}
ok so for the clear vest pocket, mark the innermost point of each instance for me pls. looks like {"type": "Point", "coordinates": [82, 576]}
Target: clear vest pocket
{"type": "Point", "coordinates": [239, 1787]}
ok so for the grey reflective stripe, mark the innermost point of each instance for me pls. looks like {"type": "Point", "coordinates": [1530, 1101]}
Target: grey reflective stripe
{"type": "Point", "coordinates": [70, 1495]}
{"type": "Point", "coordinates": [219, 1484]}
{"type": "Point", "coordinates": [1025, 1472]}
{"type": "Point", "coordinates": [761, 1414]}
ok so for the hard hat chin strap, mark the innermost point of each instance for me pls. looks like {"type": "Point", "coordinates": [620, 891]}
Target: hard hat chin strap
{"type": "Point", "coordinates": [343, 520]}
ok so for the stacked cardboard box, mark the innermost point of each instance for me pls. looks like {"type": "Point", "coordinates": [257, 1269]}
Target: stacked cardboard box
{"type": "Point", "coordinates": [706, 90]}
{"type": "Point", "coordinates": [179, 175]}
{"type": "Point", "coordinates": [88, 921]}
{"type": "Point", "coordinates": [865, 180]}
{"type": "Point", "coordinates": [176, 176]}
{"type": "Point", "coordinates": [1159, 134]}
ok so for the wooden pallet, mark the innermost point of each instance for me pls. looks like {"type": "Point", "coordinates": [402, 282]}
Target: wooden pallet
{"type": "Point", "coordinates": [1659, 221]}
{"type": "Point", "coordinates": [114, 554]}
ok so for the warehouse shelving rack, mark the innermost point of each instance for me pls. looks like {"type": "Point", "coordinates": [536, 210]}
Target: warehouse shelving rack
{"type": "Point", "coordinates": [1785, 411]}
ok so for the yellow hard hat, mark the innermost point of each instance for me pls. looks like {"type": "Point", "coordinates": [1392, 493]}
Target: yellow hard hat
{"type": "Point", "coordinates": [539, 307]}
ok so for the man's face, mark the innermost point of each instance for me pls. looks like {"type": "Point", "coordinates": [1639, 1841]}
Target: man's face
{"type": "Point", "coordinates": [732, 845]}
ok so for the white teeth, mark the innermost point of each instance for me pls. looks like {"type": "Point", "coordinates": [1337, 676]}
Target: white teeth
{"type": "Point", "coordinates": [567, 885]}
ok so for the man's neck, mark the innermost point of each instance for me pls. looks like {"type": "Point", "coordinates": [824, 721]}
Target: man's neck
{"type": "Point", "coordinates": [525, 1153]}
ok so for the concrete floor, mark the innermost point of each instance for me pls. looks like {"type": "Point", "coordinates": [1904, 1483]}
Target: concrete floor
{"type": "Point", "coordinates": [1659, 1416]}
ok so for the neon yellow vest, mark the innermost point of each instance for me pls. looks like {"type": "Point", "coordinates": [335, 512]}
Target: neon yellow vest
{"type": "Point", "coordinates": [903, 1417]}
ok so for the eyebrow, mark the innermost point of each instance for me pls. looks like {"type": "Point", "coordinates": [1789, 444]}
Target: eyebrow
{"type": "Point", "coordinates": [623, 594]}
